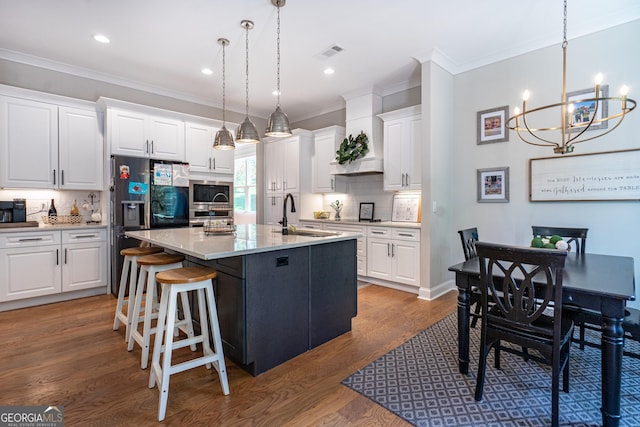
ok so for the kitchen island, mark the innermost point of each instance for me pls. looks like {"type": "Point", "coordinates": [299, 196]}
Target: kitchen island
{"type": "Point", "coordinates": [277, 295]}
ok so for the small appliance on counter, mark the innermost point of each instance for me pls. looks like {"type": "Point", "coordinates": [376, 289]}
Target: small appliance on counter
{"type": "Point", "coordinates": [13, 211]}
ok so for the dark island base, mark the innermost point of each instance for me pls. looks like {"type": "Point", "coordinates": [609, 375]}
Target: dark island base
{"type": "Point", "coordinates": [273, 306]}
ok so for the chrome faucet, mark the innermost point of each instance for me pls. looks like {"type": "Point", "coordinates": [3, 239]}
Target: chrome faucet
{"type": "Point", "coordinates": [285, 229]}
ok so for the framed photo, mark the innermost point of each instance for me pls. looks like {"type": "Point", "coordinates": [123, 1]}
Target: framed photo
{"type": "Point", "coordinates": [584, 111]}
{"type": "Point", "coordinates": [493, 185]}
{"type": "Point", "coordinates": [492, 125]}
{"type": "Point", "coordinates": [366, 212]}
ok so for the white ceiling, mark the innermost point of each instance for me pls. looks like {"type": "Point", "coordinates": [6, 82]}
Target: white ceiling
{"type": "Point", "coordinates": [161, 45]}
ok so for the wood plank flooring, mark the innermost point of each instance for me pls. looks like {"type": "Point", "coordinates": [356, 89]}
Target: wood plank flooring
{"type": "Point", "coordinates": [67, 354]}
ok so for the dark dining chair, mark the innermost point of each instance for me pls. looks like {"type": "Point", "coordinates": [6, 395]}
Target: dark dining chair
{"type": "Point", "coordinates": [522, 282]}
{"type": "Point", "coordinates": [577, 236]}
{"type": "Point", "coordinates": [468, 238]}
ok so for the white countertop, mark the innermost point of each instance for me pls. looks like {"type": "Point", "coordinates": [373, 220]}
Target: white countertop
{"type": "Point", "coordinates": [45, 227]}
{"type": "Point", "coordinates": [400, 224]}
{"type": "Point", "coordinates": [249, 239]}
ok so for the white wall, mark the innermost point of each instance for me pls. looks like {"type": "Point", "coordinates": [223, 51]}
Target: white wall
{"type": "Point", "coordinates": [613, 226]}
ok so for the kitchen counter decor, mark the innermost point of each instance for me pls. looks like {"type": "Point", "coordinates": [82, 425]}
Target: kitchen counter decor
{"type": "Point", "coordinates": [352, 148]}
{"type": "Point", "coordinates": [62, 219]}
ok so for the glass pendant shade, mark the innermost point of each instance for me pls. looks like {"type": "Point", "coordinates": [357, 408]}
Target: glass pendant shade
{"type": "Point", "coordinates": [278, 124]}
{"type": "Point", "coordinates": [247, 132]}
{"type": "Point", "coordinates": [223, 140]}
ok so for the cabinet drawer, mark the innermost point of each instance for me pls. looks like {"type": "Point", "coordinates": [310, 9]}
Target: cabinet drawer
{"type": "Point", "coordinates": [311, 225]}
{"type": "Point", "coordinates": [29, 238]}
{"type": "Point", "coordinates": [380, 232]}
{"type": "Point", "coordinates": [406, 234]}
{"type": "Point", "coordinates": [84, 235]}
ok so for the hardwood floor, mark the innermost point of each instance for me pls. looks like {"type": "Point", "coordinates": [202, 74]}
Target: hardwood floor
{"type": "Point", "coordinates": [67, 354]}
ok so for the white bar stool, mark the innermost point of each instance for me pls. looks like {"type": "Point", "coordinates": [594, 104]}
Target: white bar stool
{"type": "Point", "coordinates": [150, 265]}
{"type": "Point", "coordinates": [174, 282]}
{"type": "Point", "coordinates": [129, 271]}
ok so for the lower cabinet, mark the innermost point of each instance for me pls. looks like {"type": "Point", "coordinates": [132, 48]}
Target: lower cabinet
{"type": "Point", "coordinates": [41, 263]}
{"type": "Point", "coordinates": [393, 254]}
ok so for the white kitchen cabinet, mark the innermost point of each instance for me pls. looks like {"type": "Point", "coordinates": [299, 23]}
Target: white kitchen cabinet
{"type": "Point", "coordinates": [203, 159]}
{"type": "Point", "coordinates": [29, 265]}
{"type": "Point", "coordinates": [393, 254]}
{"type": "Point", "coordinates": [361, 252]}
{"type": "Point", "coordinates": [139, 134]}
{"type": "Point", "coordinates": [45, 263]}
{"type": "Point", "coordinates": [80, 149]}
{"type": "Point", "coordinates": [83, 259]}
{"type": "Point", "coordinates": [402, 149]}
{"type": "Point", "coordinates": [325, 144]}
{"type": "Point", "coordinates": [287, 169]}
{"type": "Point", "coordinates": [44, 145]}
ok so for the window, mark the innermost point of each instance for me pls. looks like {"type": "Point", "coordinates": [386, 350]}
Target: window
{"type": "Point", "coordinates": [244, 185]}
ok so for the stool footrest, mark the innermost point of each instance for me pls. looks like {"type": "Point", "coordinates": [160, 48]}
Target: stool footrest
{"type": "Point", "coordinates": [193, 363]}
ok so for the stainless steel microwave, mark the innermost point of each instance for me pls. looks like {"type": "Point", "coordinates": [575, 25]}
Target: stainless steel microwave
{"type": "Point", "coordinates": [209, 199]}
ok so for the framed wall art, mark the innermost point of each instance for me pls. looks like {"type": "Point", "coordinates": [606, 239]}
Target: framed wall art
{"type": "Point", "coordinates": [366, 212]}
{"type": "Point", "coordinates": [612, 175]}
{"type": "Point", "coordinates": [493, 185]}
{"type": "Point", "coordinates": [583, 111]}
{"type": "Point", "coordinates": [492, 125]}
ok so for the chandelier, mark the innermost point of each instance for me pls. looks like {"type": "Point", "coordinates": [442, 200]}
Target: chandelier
{"type": "Point", "coordinates": [577, 116]}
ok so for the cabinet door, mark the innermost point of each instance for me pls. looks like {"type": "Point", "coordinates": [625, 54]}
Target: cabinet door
{"type": "Point", "coordinates": [167, 138]}
{"type": "Point", "coordinates": [128, 133]}
{"type": "Point", "coordinates": [413, 154]}
{"type": "Point", "coordinates": [223, 161]}
{"type": "Point", "coordinates": [80, 150]}
{"type": "Point", "coordinates": [394, 134]}
{"type": "Point", "coordinates": [324, 153]}
{"type": "Point", "coordinates": [379, 258]}
{"type": "Point", "coordinates": [273, 209]}
{"type": "Point", "coordinates": [84, 266]}
{"type": "Point", "coordinates": [198, 143]}
{"type": "Point", "coordinates": [273, 152]}
{"type": "Point", "coordinates": [406, 262]}
{"type": "Point", "coordinates": [291, 166]}
{"type": "Point", "coordinates": [28, 144]}
{"type": "Point", "coordinates": [27, 272]}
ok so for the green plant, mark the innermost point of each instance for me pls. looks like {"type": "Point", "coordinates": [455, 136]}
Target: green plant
{"type": "Point", "coordinates": [352, 148]}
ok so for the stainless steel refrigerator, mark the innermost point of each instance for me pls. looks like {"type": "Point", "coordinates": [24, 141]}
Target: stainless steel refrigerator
{"type": "Point", "coordinates": [145, 194]}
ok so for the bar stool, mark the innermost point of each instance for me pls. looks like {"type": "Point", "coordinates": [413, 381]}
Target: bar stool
{"type": "Point", "coordinates": [150, 265]}
{"type": "Point", "coordinates": [129, 270]}
{"type": "Point", "coordinates": [174, 282]}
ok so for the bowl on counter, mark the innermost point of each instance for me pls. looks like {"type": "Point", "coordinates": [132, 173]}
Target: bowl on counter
{"type": "Point", "coordinates": [321, 215]}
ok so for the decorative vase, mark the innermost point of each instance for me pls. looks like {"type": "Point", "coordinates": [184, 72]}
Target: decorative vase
{"type": "Point", "coordinates": [337, 216]}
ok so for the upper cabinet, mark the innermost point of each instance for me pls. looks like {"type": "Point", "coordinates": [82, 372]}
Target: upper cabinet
{"type": "Point", "coordinates": [284, 159]}
{"type": "Point", "coordinates": [203, 159]}
{"type": "Point", "coordinates": [45, 145]}
{"type": "Point", "coordinates": [402, 149]}
{"type": "Point", "coordinates": [138, 134]}
{"type": "Point", "coordinates": [325, 144]}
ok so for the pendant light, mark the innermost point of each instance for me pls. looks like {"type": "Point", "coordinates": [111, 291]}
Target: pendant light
{"type": "Point", "coordinates": [278, 124]}
{"type": "Point", "coordinates": [223, 139]}
{"type": "Point", "coordinates": [247, 132]}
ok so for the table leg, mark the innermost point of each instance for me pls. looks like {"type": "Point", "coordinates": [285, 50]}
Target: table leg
{"type": "Point", "coordinates": [612, 348]}
{"type": "Point", "coordinates": [463, 329]}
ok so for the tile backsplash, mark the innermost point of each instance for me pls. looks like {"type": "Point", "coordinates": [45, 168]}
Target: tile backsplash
{"type": "Point", "coordinates": [38, 202]}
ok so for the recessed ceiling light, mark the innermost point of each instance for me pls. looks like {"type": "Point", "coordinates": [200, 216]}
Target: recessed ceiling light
{"type": "Point", "coordinates": [207, 71]}
{"type": "Point", "coordinates": [328, 71]}
{"type": "Point", "coordinates": [101, 38]}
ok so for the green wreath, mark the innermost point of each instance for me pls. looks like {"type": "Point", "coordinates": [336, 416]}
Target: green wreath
{"type": "Point", "coordinates": [352, 149]}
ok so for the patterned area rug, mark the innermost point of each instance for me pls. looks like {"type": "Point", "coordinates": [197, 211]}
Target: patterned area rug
{"type": "Point", "coordinates": [419, 381]}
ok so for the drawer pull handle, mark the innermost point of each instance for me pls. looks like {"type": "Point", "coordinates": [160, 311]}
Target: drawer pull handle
{"type": "Point", "coordinates": [84, 236]}
{"type": "Point", "coordinates": [377, 232]}
{"type": "Point", "coordinates": [405, 234]}
{"type": "Point", "coordinates": [30, 239]}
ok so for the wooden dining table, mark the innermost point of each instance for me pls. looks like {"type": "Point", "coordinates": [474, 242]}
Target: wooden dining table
{"type": "Point", "coordinates": [602, 283]}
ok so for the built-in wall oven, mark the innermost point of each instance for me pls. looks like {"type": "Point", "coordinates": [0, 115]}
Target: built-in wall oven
{"type": "Point", "coordinates": [210, 200]}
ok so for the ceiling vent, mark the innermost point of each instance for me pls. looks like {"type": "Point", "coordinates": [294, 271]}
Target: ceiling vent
{"type": "Point", "coordinates": [329, 52]}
